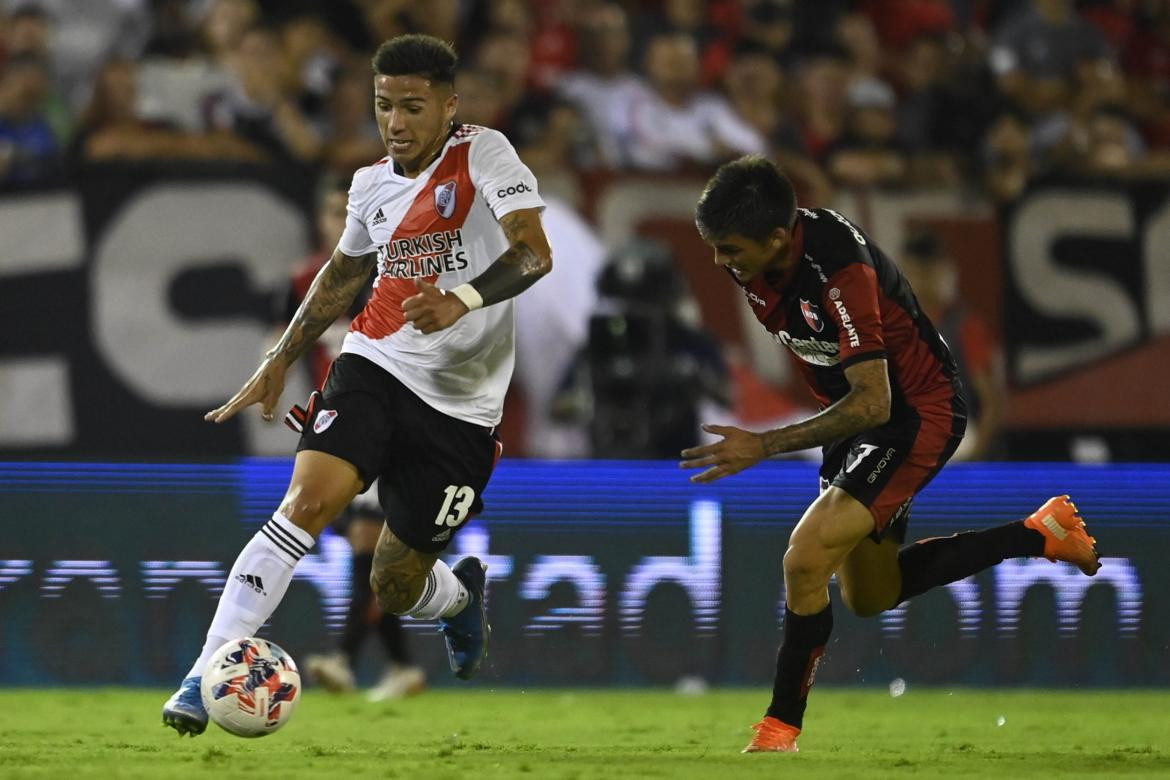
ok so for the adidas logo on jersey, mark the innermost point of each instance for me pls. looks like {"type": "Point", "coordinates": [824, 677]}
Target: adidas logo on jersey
{"type": "Point", "coordinates": [379, 218]}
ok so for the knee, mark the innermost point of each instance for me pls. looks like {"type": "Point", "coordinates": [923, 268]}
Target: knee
{"type": "Point", "coordinates": [305, 507]}
{"type": "Point", "coordinates": [803, 565]}
{"type": "Point", "coordinates": [392, 597]}
{"type": "Point", "coordinates": [309, 512]}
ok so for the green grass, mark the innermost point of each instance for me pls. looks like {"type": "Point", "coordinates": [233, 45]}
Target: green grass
{"type": "Point", "coordinates": [477, 734]}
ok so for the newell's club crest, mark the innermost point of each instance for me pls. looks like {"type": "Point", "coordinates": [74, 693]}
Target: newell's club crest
{"type": "Point", "coordinates": [811, 315]}
{"type": "Point", "coordinates": [324, 419]}
{"type": "Point", "coordinates": [445, 199]}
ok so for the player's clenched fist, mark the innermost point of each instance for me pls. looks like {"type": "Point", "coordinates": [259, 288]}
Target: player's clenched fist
{"type": "Point", "coordinates": [432, 309]}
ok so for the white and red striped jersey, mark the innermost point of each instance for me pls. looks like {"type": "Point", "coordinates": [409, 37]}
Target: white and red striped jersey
{"type": "Point", "coordinates": [443, 227]}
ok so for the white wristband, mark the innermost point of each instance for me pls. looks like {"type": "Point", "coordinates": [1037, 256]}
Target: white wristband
{"type": "Point", "coordinates": [469, 295]}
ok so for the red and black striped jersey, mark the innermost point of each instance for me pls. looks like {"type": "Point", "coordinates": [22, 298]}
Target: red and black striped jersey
{"type": "Point", "coordinates": [845, 301]}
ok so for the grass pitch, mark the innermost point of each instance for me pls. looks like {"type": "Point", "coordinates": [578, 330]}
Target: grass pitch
{"type": "Point", "coordinates": [475, 733]}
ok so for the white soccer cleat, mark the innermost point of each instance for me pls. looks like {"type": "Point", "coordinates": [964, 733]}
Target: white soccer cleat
{"type": "Point", "coordinates": [398, 682]}
{"type": "Point", "coordinates": [331, 672]}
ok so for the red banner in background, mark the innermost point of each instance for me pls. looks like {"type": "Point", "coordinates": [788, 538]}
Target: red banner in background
{"type": "Point", "coordinates": [1087, 306]}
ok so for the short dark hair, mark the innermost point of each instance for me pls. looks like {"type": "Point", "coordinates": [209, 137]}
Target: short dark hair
{"type": "Point", "coordinates": [417, 55]}
{"type": "Point", "coordinates": [750, 197]}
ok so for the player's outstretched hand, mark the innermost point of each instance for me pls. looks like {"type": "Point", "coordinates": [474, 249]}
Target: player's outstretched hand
{"type": "Point", "coordinates": [432, 309]}
{"type": "Point", "coordinates": [738, 450]}
{"type": "Point", "coordinates": [263, 388]}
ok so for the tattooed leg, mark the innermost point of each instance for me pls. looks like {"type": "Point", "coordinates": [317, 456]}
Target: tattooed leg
{"type": "Point", "coordinates": [399, 574]}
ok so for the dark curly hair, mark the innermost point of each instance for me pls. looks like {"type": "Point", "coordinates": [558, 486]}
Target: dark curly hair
{"type": "Point", "coordinates": [417, 55]}
{"type": "Point", "coordinates": [750, 197]}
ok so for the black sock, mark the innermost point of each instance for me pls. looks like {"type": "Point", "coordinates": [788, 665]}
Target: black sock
{"type": "Point", "coordinates": [933, 562]}
{"type": "Point", "coordinates": [394, 638]}
{"type": "Point", "coordinates": [804, 642]}
{"type": "Point", "coordinates": [357, 617]}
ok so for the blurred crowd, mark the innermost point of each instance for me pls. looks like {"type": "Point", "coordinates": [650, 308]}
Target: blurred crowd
{"type": "Point", "coordinates": [978, 96]}
{"type": "Point", "coordinates": [855, 93]}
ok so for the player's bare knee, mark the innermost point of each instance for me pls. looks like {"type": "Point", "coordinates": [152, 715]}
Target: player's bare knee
{"type": "Point", "coordinates": [803, 564]}
{"type": "Point", "coordinates": [308, 518]}
{"type": "Point", "coordinates": [308, 511]}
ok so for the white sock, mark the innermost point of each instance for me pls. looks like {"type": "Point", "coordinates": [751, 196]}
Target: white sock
{"type": "Point", "coordinates": [442, 596]}
{"type": "Point", "coordinates": [256, 584]}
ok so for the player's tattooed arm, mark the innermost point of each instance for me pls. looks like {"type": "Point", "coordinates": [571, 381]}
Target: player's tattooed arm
{"type": "Point", "coordinates": [399, 573]}
{"type": "Point", "coordinates": [865, 406]}
{"type": "Point", "coordinates": [330, 296]}
{"type": "Point", "coordinates": [527, 258]}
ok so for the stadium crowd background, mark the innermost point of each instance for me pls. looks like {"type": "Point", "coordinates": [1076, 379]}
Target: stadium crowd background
{"type": "Point", "coordinates": [974, 97]}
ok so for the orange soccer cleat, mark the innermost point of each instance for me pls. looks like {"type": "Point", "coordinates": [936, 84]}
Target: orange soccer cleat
{"type": "Point", "coordinates": [1065, 537]}
{"type": "Point", "coordinates": [773, 736]}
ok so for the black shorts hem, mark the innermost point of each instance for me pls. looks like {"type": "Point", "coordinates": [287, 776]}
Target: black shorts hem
{"type": "Point", "coordinates": [338, 451]}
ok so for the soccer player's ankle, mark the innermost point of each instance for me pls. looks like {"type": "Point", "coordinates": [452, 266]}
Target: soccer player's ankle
{"type": "Point", "coordinates": [210, 645]}
{"type": "Point", "coordinates": [776, 717]}
{"type": "Point", "coordinates": [458, 607]}
{"type": "Point", "coordinates": [443, 595]}
{"type": "Point", "coordinates": [1035, 538]}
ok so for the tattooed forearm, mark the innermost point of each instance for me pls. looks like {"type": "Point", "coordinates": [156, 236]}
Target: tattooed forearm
{"type": "Point", "coordinates": [865, 406]}
{"type": "Point", "coordinates": [513, 272]}
{"type": "Point", "coordinates": [331, 294]}
{"type": "Point", "coordinates": [526, 260]}
{"type": "Point", "coordinates": [836, 422]}
{"type": "Point", "coordinates": [398, 574]}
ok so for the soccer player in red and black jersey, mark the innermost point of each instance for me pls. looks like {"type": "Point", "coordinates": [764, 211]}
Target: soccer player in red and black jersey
{"type": "Point", "coordinates": [892, 413]}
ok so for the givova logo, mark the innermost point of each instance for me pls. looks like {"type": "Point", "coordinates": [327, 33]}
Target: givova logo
{"type": "Point", "coordinates": [755, 299]}
{"type": "Point", "coordinates": [881, 466]}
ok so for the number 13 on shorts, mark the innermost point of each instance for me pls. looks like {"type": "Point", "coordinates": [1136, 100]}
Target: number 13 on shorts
{"type": "Point", "coordinates": [455, 506]}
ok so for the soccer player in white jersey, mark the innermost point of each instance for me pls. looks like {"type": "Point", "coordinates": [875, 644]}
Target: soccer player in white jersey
{"type": "Point", "coordinates": [451, 220]}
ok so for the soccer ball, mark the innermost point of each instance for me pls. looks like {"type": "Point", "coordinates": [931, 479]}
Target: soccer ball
{"type": "Point", "coordinates": [250, 687]}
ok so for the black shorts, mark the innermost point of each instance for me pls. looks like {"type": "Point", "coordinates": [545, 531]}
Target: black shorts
{"type": "Point", "coordinates": [886, 467]}
{"type": "Point", "coordinates": [431, 468]}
